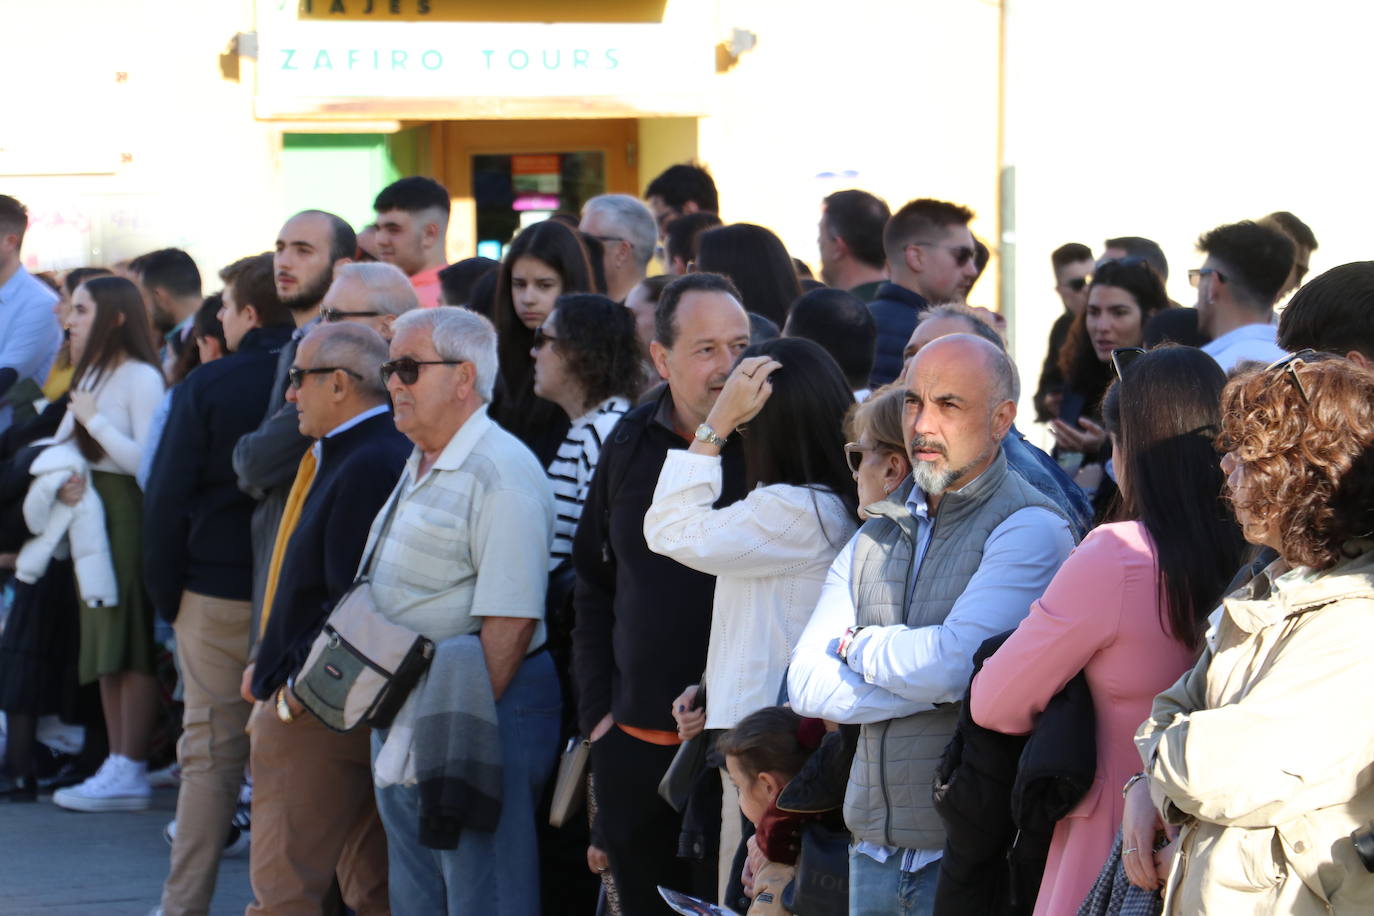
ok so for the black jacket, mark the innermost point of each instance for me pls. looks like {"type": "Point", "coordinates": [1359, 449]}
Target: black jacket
{"type": "Point", "coordinates": [195, 518]}
{"type": "Point", "coordinates": [1000, 797]}
{"type": "Point", "coordinates": [358, 470]}
{"type": "Point", "coordinates": [895, 311]}
{"type": "Point", "coordinates": [17, 452]}
{"type": "Point", "coordinates": [643, 620]}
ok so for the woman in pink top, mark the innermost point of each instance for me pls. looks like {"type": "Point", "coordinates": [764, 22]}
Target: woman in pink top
{"type": "Point", "coordinates": [1130, 604]}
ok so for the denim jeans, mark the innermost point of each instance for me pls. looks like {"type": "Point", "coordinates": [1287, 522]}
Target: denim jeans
{"type": "Point", "coordinates": [883, 889]}
{"type": "Point", "coordinates": [490, 873]}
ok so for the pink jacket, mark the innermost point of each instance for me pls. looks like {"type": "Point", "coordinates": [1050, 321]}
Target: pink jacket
{"type": "Point", "coordinates": [1102, 614]}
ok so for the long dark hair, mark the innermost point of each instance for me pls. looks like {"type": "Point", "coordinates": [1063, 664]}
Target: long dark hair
{"type": "Point", "coordinates": [1166, 413]}
{"type": "Point", "coordinates": [560, 247]}
{"type": "Point", "coordinates": [596, 338]}
{"type": "Point", "coordinates": [120, 330]}
{"type": "Point", "coordinates": [1083, 371]}
{"type": "Point", "coordinates": [758, 263]}
{"type": "Point", "coordinates": [798, 437]}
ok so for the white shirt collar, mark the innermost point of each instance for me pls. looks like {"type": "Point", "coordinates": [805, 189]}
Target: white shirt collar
{"type": "Point", "coordinates": [349, 424]}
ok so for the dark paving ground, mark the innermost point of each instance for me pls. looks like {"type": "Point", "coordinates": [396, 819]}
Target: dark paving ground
{"type": "Point", "coordinates": [62, 863]}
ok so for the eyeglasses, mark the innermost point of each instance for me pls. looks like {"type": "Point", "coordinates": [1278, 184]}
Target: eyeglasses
{"type": "Point", "coordinates": [332, 315]}
{"type": "Point", "coordinates": [1289, 365]}
{"type": "Point", "coordinates": [408, 370]}
{"type": "Point", "coordinates": [1122, 357]}
{"type": "Point", "coordinates": [296, 375]}
{"type": "Point", "coordinates": [1196, 274]}
{"type": "Point", "coordinates": [962, 253]}
{"type": "Point", "coordinates": [1077, 283]}
{"type": "Point", "coordinates": [542, 337]}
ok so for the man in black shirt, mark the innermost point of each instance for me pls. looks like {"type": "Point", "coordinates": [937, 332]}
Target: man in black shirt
{"type": "Point", "coordinates": [643, 620]}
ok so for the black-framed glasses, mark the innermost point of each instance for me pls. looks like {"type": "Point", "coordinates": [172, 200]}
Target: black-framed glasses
{"type": "Point", "coordinates": [542, 337]}
{"type": "Point", "coordinates": [1122, 357]}
{"type": "Point", "coordinates": [1289, 364]}
{"type": "Point", "coordinates": [1197, 273]}
{"type": "Point", "coordinates": [407, 369]}
{"type": "Point", "coordinates": [962, 253]}
{"type": "Point", "coordinates": [296, 375]}
{"type": "Point", "coordinates": [1077, 283]}
{"type": "Point", "coordinates": [333, 315]}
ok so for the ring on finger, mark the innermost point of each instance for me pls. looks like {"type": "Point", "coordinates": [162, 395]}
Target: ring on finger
{"type": "Point", "coordinates": [1127, 852]}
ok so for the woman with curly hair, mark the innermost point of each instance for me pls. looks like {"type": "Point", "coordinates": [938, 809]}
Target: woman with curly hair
{"type": "Point", "coordinates": [1259, 758]}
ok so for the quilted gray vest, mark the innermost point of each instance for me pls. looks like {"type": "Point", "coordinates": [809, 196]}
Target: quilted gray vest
{"type": "Point", "coordinates": [888, 801]}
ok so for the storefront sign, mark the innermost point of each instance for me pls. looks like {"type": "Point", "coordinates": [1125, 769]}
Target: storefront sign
{"type": "Point", "coordinates": [308, 68]}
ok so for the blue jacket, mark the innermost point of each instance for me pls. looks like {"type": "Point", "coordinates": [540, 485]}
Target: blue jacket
{"type": "Point", "coordinates": [195, 518]}
{"type": "Point", "coordinates": [1044, 473]}
{"type": "Point", "coordinates": [895, 311]}
{"type": "Point", "coordinates": [358, 470]}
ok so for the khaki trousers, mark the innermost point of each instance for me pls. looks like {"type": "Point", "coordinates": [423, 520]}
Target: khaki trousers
{"type": "Point", "coordinates": [314, 816]}
{"type": "Point", "coordinates": [212, 644]}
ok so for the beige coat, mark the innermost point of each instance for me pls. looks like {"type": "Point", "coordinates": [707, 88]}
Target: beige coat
{"type": "Point", "coordinates": [1264, 751]}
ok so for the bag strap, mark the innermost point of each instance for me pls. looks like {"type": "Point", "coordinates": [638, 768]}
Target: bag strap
{"type": "Point", "coordinates": [365, 571]}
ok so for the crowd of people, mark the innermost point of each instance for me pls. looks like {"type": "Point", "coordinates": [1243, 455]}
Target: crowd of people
{"type": "Point", "coordinates": [726, 580]}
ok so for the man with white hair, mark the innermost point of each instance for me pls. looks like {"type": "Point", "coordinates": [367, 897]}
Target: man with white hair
{"type": "Point", "coordinates": [464, 553]}
{"type": "Point", "coordinates": [314, 813]}
{"type": "Point", "coordinates": [628, 233]}
{"type": "Point", "coordinates": [373, 294]}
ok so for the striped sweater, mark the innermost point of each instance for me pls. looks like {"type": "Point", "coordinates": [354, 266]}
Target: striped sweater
{"type": "Point", "coordinates": [570, 471]}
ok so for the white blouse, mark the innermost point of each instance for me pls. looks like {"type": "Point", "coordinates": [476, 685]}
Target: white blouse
{"type": "Point", "coordinates": [769, 553]}
{"type": "Point", "coordinates": [125, 399]}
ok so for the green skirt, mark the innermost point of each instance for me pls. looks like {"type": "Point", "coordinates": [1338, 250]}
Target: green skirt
{"type": "Point", "coordinates": [119, 638]}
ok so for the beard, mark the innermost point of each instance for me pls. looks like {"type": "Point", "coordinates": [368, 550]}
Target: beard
{"type": "Point", "coordinates": [310, 294]}
{"type": "Point", "coordinates": [937, 480]}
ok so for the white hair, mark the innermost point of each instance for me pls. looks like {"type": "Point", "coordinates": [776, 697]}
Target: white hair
{"type": "Point", "coordinates": [388, 288]}
{"type": "Point", "coordinates": [355, 347]}
{"type": "Point", "coordinates": [458, 334]}
{"type": "Point", "coordinates": [630, 219]}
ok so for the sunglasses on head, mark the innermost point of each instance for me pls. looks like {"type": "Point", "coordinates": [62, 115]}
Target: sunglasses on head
{"type": "Point", "coordinates": [1289, 365]}
{"type": "Point", "coordinates": [296, 375]}
{"type": "Point", "coordinates": [407, 369]}
{"type": "Point", "coordinates": [1122, 357]}
{"type": "Point", "coordinates": [542, 337]}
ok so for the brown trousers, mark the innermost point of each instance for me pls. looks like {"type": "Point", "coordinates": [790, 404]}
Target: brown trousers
{"type": "Point", "coordinates": [314, 816]}
{"type": "Point", "coordinates": [212, 645]}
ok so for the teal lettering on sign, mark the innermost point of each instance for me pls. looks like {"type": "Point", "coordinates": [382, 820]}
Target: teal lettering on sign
{"type": "Point", "coordinates": [286, 60]}
{"type": "Point", "coordinates": [322, 61]}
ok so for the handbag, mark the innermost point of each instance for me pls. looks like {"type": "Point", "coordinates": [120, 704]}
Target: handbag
{"type": "Point", "coordinates": [361, 666]}
{"type": "Point", "coordinates": [681, 777]}
{"type": "Point", "coordinates": [570, 786]}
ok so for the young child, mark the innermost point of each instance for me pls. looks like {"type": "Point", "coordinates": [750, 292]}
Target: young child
{"type": "Point", "coordinates": [763, 753]}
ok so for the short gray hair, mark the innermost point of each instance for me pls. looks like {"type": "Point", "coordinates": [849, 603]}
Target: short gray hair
{"type": "Point", "coordinates": [354, 347]}
{"type": "Point", "coordinates": [631, 219]}
{"type": "Point", "coordinates": [388, 288]}
{"type": "Point", "coordinates": [458, 334]}
{"type": "Point", "coordinates": [1007, 381]}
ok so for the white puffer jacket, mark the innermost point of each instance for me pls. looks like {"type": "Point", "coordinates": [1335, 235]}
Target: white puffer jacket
{"type": "Point", "coordinates": [83, 525]}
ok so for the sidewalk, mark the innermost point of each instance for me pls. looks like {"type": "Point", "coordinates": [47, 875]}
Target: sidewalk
{"type": "Point", "coordinates": [63, 863]}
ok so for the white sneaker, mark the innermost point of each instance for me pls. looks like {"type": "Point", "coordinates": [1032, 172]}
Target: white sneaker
{"type": "Point", "coordinates": [117, 786]}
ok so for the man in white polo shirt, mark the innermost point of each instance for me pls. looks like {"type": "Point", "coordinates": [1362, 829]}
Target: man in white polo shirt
{"type": "Point", "coordinates": [466, 553]}
{"type": "Point", "coordinates": [1247, 265]}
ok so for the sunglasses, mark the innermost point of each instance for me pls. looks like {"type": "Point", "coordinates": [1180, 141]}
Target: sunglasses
{"type": "Point", "coordinates": [1077, 283]}
{"type": "Point", "coordinates": [1196, 274]}
{"type": "Point", "coordinates": [1289, 365]}
{"type": "Point", "coordinates": [407, 369]}
{"type": "Point", "coordinates": [962, 253]}
{"type": "Point", "coordinates": [542, 337]}
{"type": "Point", "coordinates": [332, 315]}
{"type": "Point", "coordinates": [296, 375]}
{"type": "Point", "coordinates": [1122, 357]}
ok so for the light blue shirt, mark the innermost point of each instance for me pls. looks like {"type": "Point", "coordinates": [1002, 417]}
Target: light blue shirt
{"type": "Point", "coordinates": [29, 332]}
{"type": "Point", "coordinates": [897, 671]}
{"type": "Point", "coordinates": [1256, 343]}
{"type": "Point", "coordinates": [344, 427]}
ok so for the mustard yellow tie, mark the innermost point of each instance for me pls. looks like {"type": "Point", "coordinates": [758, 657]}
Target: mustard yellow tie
{"type": "Point", "coordinates": [290, 517]}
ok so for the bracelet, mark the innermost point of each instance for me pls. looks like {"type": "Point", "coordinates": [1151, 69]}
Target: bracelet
{"type": "Point", "coordinates": [847, 642]}
{"type": "Point", "coordinates": [1131, 782]}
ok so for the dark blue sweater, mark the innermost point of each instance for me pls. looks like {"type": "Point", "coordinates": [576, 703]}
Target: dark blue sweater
{"type": "Point", "coordinates": [195, 518]}
{"type": "Point", "coordinates": [358, 470]}
{"type": "Point", "coordinates": [895, 311]}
